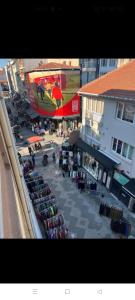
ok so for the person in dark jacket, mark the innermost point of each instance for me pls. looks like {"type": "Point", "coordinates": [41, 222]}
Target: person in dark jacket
{"type": "Point", "coordinates": [30, 150]}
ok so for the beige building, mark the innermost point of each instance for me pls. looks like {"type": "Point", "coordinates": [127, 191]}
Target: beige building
{"type": "Point", "coordinates": [67, 61]}
{"type": "Point", "coordinates": [123, 61]}
{"type": "Point", "coordinates": [17, 217]}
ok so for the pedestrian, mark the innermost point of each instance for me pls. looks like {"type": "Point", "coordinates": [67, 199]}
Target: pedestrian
{"type": "Point", "coordinates": [32, 128]}
{"type": "Point", "coordinates": [39, 146]}
{"type": "Point", "coordinates": [36, 147]}
{"type": "Point", "coordinates": [40, 124]}
{"type": "Point", "coordinates": [33, 159]}
{"type": "Point", "coordinates": [45, 125]}
{"type": "Point", "coordinates": [20, 157]}
{"type": "Point", "coordinates": [30, 150]}
{"type": "Point", "coordinates": [30, 164]}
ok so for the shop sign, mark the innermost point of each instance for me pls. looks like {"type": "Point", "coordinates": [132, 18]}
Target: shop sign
{"type": "Point", "coordinates": [96, 117]}
{"type": "Point", "coordinates": [120, 178]}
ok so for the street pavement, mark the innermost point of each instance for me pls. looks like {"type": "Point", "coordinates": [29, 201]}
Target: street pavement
{"type": "Point", "coordinates": [80, 210]}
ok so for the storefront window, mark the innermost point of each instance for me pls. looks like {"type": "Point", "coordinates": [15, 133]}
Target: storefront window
{"type": "Point", "coordinates": [91, 165]}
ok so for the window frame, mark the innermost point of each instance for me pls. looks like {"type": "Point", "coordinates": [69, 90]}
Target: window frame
{"type": "Point", "coordinates": [118, 103]}
{"type": "Point", "coordinates": [120, 154]}
{"type": "Point", "coordinates": [117, 108]}
{"type": "Point", "coordinates": [110, 64]}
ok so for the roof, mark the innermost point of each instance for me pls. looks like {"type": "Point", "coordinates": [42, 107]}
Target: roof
{"type": "Point", "coordinates": [100, 157]}
{"type": "Point", "coordinates": [117, 83]}
{"type": "Point", "coordinates": [130, 187]}
{"type": "Point", "coordinates": [53, 65]}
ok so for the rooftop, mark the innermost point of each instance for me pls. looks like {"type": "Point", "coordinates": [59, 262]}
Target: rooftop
{"type": "Point", "coordinates": [119, 83]}
{"type": "Point", "coordinates": [53, 66]}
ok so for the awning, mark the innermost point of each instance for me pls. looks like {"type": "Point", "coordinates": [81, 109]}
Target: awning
{"type": "Point", "coordinates": [130, 187]}
{"type": "Point", "coordinates": [100, 157]}
{"type": "Point", "coordinates": [35, 139]}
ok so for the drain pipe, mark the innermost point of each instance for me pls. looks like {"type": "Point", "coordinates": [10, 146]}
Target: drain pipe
{"type": "Point", "coordinates": [31, 220]}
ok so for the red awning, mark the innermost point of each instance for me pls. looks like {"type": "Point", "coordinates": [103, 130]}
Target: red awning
{"type": "Point", "coordinates": [35, 139]}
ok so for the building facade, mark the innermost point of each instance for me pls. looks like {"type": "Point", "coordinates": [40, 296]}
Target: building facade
{"type": "Point", "coordinates": [89, 69]}
{"type": "Point", "coordinates": [108, 129]}
{"type": "Point", "coordinates": [106, 65]}
{"type": "Point", "coordinates": [123, 61]}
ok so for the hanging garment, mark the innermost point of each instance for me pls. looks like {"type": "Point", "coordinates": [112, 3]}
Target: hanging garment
{"type": "Point", "coordinates": [116, 213]}
{"type": "Point", "coordinates": [108, 211]}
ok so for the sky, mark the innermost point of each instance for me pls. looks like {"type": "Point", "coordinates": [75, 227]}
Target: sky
{"type": "Point", "coordinates": [3, 62]}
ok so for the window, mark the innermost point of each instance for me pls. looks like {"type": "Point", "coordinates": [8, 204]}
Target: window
{"type": "Point", "coordinates": [94, 102]}
{"type": "Point", "coordinates": [103, 62]}
{"type": "Point", "coordinates": [119, 147]}
{"type": "Point", "coordinates": [125, 150]}
{"type": "Point", "coordinates": [98, 107]}
{"type": "Point", "coordinates": [120, 110]}
{"type": "Point", "coordinates": [130, 152]}
{"type": "Point", "coordinates": [70, 63]}
{"type": "Point", "coordinates": [114, 144]}
{"type": "Point", "coordinates": [87, 130]}
{"type": "Point", "coordinates": [126, 112]}
{"type": "Point", "coordinates": [112, 62]}
{"type": "Point", "coordinates": [122, 148]}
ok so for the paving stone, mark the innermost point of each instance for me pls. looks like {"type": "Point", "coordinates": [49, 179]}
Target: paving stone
{"type": "Point", "coordinates": [80, 210]}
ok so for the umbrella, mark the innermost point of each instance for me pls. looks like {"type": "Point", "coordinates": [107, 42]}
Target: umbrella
{"type": "Point", "coordinates": [35, 139]}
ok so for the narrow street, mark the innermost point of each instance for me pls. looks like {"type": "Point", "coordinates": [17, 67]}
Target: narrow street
{"type": "Point", "coordinates": [80, 210]}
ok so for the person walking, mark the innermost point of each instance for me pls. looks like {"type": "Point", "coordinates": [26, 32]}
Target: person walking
{"type": "Point", "coordinates": [45, 125]}
{"type": "Point", "coordinates": [36, 147]}
{"type": "Point", "coordinates": [39, 146]}
{"type": "Point", "coordinates": [20, 157]}
{"type": "Point", "coordinates": [40, 125]}
{"type": "Point", "coordinates": [32, 128]}
{"type": "Point", "coordinates": [30, 150]}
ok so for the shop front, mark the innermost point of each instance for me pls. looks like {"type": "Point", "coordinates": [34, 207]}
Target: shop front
{"type": "Point", "coordinates": [90, 164]}
{"type": "Point", "coordinates": [127, 195]}
{"type": "Point", "coordinates": [118, 181]}
{"type": "Point", "coordinates": [100, 166]}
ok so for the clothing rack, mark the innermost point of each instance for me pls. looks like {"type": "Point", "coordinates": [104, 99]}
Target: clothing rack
{"type": "Point", "coordinates": [36, 179]}
{"type": "Point", "coordinates": [43, 199]}
{"type": "Point", "coordinates": [121, 226]}
{"type": "Point", "coordinates": [39, 187]}
{"type": "Point", "coordinates": [60, 232]}
{"type": "Point", "coordinates": [110, 211]}
{"type": "Point", "coordinates": [41, 206]}
{"type": "Point", "coordinates": [46, 210]}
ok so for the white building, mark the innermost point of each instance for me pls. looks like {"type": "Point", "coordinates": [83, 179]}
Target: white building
{"type": "Point", "coordinates": [108, 127]}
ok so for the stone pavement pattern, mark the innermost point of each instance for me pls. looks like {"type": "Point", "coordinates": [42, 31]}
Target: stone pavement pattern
{"type": "Point", "coordinates": [80, 210]}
